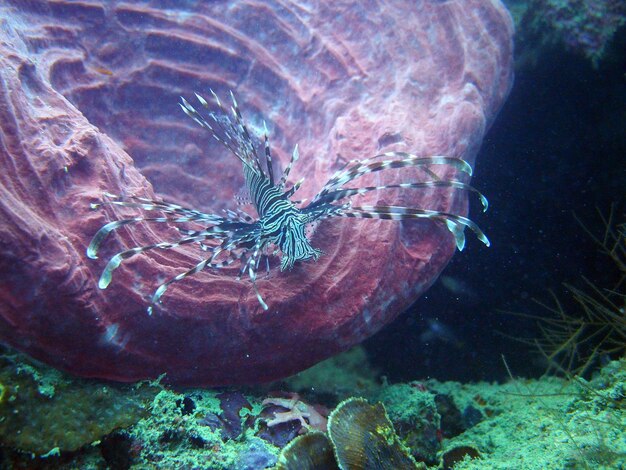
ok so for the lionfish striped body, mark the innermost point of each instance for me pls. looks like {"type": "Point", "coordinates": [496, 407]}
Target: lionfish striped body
{"type": "Point", "coordinates": [280, 224]}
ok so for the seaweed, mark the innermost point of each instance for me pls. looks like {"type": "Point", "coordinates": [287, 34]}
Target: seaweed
{"type": "Point", "coordinates": [574, 341]}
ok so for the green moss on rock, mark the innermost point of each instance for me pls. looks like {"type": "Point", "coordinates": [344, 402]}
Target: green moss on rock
{"type": "Point", "coordinates": [46, 412]}
{"type": "Point", "coordinates": [170, 437]}
{"type": "Point", "coordinates": [413, 412]}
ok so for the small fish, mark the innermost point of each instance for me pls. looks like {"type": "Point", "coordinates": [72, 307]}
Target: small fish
{"type": "Point", "coordinates": [280, 224]}
{"type": "Point", "coordinates": [102, 70]}
{"type": "Point", "coordinates": [440, 332]}
{"type": "Point", "coordinates": [459, 288]}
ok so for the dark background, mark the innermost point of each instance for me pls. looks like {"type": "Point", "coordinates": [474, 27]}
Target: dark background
{"type": "Point", "coordinates": [557, 150]}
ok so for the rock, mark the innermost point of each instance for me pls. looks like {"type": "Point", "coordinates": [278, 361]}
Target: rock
{"type": "Point", "coordinates": [455, 455]}
{"type": "Point", "coordinates": [85, 86]}
{"type": "Point", "coordinates": [45, 413]}
{"type": "Point", "coordinates": [413, 411]}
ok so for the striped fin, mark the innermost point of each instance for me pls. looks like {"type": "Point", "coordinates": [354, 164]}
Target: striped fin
{"type": "Point", "coordinates": [197, 268]}
{"type": "Point", "coordinates": [100, 236]}
{"type": "Point", "coordinates": [339, 194]}
{"type": "Point", "coordinates": [294, 158]}
{"type": "Point", "coordinates": [316, 212]}
{"type": "Point", "coordinates": [197, 117]}
{"type": "Point", "coordinates": [431, 174]}
{"type": "Point", "coordinates": [251, 265]}
{"type": "Point", "coordinates": [241, 123]}
{"type": "Point", "coordinates": [291, 191]}
{"type": "Point", "coordinates": [371, 164]}
{"type": "Point", "coordinates": [234, 136]}
{"type": "Point", "coordinates": [151, 205]}
{"type": "Point", "coordinates": [453, 222]}
{"type": "Point", "coordinates": [368, 166]}
{"type": "Point", "coordinates": [268, 155]}
{"type": "Point", "coordinates": [116, 260]}
{"type": "Point", "coordinates": [180, 215]}
{"type": "Point", "coordinates": [239, 216]}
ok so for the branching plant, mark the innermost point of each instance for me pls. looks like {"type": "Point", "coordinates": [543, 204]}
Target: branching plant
{"type": "Point", "coordinates": [573, 340]}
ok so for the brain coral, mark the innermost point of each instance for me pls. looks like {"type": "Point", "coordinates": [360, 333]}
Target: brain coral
{"type": "Point", "coordinates": [87, 85]}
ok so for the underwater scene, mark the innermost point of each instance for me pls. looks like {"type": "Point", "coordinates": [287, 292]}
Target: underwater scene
{"type": "Point", "coordinates": [243, 235]}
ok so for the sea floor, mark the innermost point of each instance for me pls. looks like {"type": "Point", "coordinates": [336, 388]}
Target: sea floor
{"type": "Point", "coordinates": [51, 420]}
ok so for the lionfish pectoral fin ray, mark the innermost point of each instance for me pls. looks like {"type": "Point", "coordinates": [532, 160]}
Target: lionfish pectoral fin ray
{"type": "Point", "coordinates": [408, 213]}
{"type": "Point", "coordinates": [103, 233]}
{"type": "Point", "coordinates": [179, 277]}
{"type": "Point", "coordinates": [339, 194]}
{"type": "Point", "coordinates": [116, 260]}
{"type": "Point", "coordinates": [99, 237]}
{"type": "Point", "coordinates": [107, 274]}
{"type": "Point", "coordinates": [459, 223]}
{"type": "Point", "coordinates": [370, 165]}
{"type": "Point", "coordinates": [459, 233]}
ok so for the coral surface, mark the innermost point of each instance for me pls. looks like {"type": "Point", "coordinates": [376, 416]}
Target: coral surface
{"type": "Point", "coordinates": [582, 26]}
{"type": "Point", "coordinates": [88, 85]}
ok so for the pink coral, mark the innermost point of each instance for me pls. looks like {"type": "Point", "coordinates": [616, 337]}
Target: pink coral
{"type": "Point", "coordinates": [87, 85]}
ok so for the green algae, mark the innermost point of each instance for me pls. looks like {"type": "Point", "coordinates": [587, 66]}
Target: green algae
{"type": "Point", "coordinates": [172, 438]}
{"type": "Point", "coordinates": [413, 411]}
{"type": "Point", "coordinates": [546, 423]}
{"type": "Point", "coordinates": [585, 27]}
{"type": "Point", "coordinates": [45, 412]}
{"type": "Point", "coordinates": [408, 403]}
{"type": "Point", "coordinates": [168, 438]}
{"type": "Point", "coordinates": [549, 423]}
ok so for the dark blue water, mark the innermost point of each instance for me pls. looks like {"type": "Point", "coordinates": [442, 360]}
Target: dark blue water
{"type": "Point", "coordinates": [557, 151]}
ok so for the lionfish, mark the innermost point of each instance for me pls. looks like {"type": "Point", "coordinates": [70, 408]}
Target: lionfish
{"type": "Point", "coordinates": [280, 224]}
